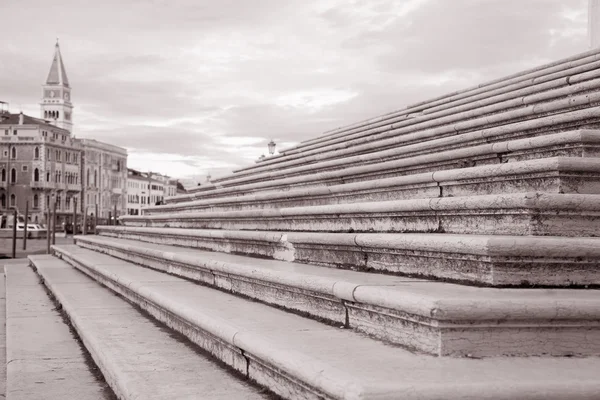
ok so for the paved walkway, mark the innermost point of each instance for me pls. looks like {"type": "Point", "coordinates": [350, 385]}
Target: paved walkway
{"type": "Point", "coordinates": [34, 246]}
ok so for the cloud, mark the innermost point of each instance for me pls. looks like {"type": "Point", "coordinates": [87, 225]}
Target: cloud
{"type": "Point", "coordinates": [208, 84]}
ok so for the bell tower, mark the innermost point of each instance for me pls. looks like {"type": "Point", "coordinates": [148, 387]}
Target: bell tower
{"type": "Point", "coordinates": [56, 105]}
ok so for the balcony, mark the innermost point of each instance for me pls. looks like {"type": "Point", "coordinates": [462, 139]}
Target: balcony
{"type": "Point", "coordinates": [41, 185]}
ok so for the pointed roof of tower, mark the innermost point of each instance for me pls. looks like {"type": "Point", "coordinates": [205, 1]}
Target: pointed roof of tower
{"type": "Point", "coordinates": [57, 74]}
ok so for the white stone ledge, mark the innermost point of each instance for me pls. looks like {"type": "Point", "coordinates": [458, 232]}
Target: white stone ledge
{"type": "Point", "coordinates": [556, 174]}
{"type": "Point", "coordinates": [483, 260]}
{"type": "Point", "coordinates": [255, 341]}
{"type": "Point", "coordinates": [531, 213]}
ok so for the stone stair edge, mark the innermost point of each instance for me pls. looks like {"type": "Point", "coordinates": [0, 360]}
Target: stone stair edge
{"type": "Point", "coordinates": [489, 125]}
{"type": "Point", "coordinates": [524, 200]}
{"type": "Point", "coordinates": [309, 370]}
{"type": "Point", "coordinates": [490, 245]}
{"type": "Point", "coordinates": [548, 165]}
{"type": "Point", "coordinates": [460, 139]}
{"type": "Point", "coordinates": [450, 307]}
{"type": "Point", "coordinates": [110, 366]}
{"type": "Point", "coordinates": [326, 377]}
{"type": "Point", "coordinates": [580, 137]}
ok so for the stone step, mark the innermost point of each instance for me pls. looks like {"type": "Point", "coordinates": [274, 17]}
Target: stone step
{"type": "Point", "coordinates": [478, 114]}
{"type": "Point", "coordinates": [531, 128]}
{"type": "Point", "coordinates": [434, 317]}
{"type": "Point", "coordinates": [532, 213]}
{"type": "Point", "coordinates": [488, 93]}
{"type": "Point", "coordinates": [140, 359]}
{"type": "Point", "coordinates": [296, 357]}
{"type": "Point", "coordinates": [405, 160]}
{"type": "Point", "coordinates": [477, 260]}
{"type": "Point", "coordinates": [550, 175]}
{"type": "Point", "coordinates": [43, 358]}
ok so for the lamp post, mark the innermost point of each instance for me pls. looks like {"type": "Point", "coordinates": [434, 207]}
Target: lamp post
{"type": "Point", "coordinates": [271, 147]}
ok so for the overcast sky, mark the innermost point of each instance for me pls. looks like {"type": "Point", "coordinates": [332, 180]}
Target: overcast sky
{"type": "Point", "coordinates": [192, 87]}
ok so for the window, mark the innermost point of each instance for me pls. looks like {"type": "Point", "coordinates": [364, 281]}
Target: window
{"type": "Point", "coordinates": [36, 153]}
{"type": "Point", "coordinates": [13, 200]}
{"type": "Point", "coordinates": [25, 168]}
{"type": "Point", "coordinates": [47, 176]}
{"type": "Point", "coordinates": [13, 176]}
{"type": "Point", "coordinates": [36, 175]}
{"type": "Point", "coordinates": [6, 131]}
{"type": "Point", "coordinates": [13, 152]}
{"type": "Point", "coordinates": [15, 132]}
{"type": "Point", "coordinates": [88, 177]}
{"type": "Point", "coordinates": [36, 201]}
{"type": "Point", "coordinates": [3, 175]}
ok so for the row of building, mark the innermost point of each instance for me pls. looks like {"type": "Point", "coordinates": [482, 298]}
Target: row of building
{"type": "Point", "coordinates": [41, 162]}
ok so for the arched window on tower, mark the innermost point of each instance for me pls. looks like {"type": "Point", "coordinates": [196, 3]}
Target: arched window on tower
{"type": "Point", "coordinates": [13, 152]}
{"type": "Point", "coordinates": [3, 175]}
{"type": "Point", "coordinates": [36, 201]}
{"type": "Point", "coordinates": [47, 176]}
{"type": "Point", "coordinates": [13, 176]}
{"type": "Point", "coordinates": [36, 153]}
{"type": "Point", "coordinates": [36, 175]}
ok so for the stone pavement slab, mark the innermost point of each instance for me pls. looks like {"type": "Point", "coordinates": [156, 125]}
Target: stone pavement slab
{"type": "Point", "coordinates": [44, 359]}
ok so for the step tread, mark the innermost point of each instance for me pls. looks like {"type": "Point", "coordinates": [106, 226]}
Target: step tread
{"type": "Point", "coordinates": [44, 360]}
{"type": "Point", "coordinates": [418, 296]}
{"type": "Point", "coordinates": [153, 366]}
{"type": "Point", "coordinates": [339, 360]}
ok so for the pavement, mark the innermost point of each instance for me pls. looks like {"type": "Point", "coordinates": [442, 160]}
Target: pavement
{"type": "Point", "coordinates": [34, 246]}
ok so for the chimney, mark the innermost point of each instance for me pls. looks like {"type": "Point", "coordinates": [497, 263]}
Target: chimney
{"type": "Point", "coordinates": [21, 118]}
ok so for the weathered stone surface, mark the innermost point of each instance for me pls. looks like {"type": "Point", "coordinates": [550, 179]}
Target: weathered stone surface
{"type": "Point", "coordinates": [434, 317]}
{"type": "Point", "coordinates": [139, 359]}
{"type": "Point", "coordinates": [299, 358]}
{"type": "Point", "coordinates": [43, 359]}
{"type": "Point", "coordinates": [485, 260]}
{"type": "Point", "coordinates": [551, 175]}
{"type": "Point", "coordinates": [512, 214]}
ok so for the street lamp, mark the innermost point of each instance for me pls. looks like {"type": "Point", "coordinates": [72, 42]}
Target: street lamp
{"type": "Point", "coordinates": [271, 147]}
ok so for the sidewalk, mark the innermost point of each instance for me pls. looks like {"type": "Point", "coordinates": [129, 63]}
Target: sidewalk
{"type": "Point", "coordinates": [34, 246]}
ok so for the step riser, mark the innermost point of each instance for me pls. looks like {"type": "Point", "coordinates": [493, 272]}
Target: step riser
{"type": "Point", "coordinates": [516, 221]}
{"type": "Point", "coordinates": [442, 338]}
{"type": "Point", "coordinates": [473, 267]}
{"type": "Point", "coordinates": [242, 361]}
{"type": "Point", "coordinates": [548, 182]}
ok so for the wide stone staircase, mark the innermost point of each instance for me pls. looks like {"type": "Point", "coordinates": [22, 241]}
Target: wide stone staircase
{"type": "Point", "coordinates": [449, 250]}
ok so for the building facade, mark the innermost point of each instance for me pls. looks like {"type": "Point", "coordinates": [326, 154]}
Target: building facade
{"type": "Point", "coordinates": [147, 188]}
{"type": "Point", "coordinates": [104, 170]}
{"type": "Point", "coordinates": [39, 162]}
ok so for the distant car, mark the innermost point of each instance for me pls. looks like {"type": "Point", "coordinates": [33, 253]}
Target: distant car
{"type": "Point", "coordinates": [34, 231]}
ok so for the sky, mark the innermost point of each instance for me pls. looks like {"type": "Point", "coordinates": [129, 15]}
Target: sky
{"type": "Point", "coordinates": [198, 87]}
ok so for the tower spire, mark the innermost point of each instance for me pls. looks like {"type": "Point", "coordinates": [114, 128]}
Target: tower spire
{"type": "Point", "coordinates": [57, 74]}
